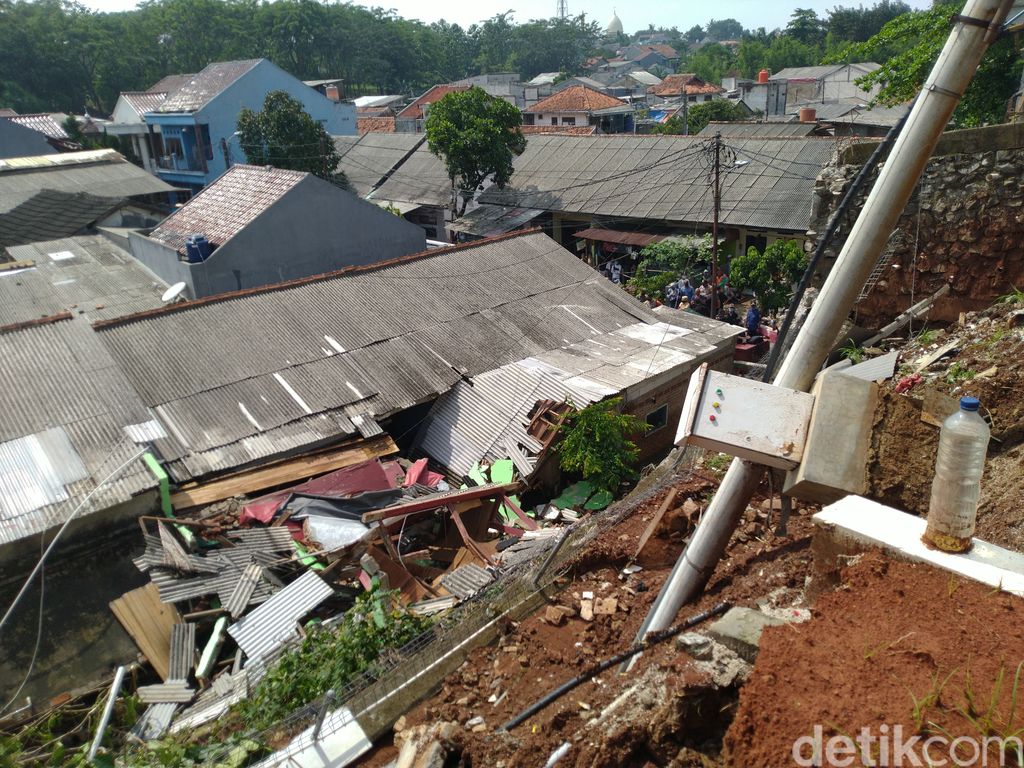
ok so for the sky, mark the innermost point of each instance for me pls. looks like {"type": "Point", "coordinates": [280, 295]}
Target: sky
{"type": "Point", "coordinates": [634, 16]}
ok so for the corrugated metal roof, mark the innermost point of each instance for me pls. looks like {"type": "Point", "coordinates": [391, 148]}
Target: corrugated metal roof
{"type": "Point", "coordinates": [57, 379]}
{"type": "Point", "coordinates": [491, 220]}
{"type": "Point", "coordinates": [205, 86]}
{"type": "Point", "coordinates": [421, 179]}
{"type": "Point", "coordinates": [618, 236]}
{"type": "Point", "coordinates": [487, 420]}
{"type": "Point", "coordinates": [183, 651]}
{"type": "Point", "coordinates": [88, 275]}
{"type": "Point", "coordinates": [103, 173]}
{"type": "Point", "coordinates": [154, 721]}
{"type": "Point", "coordinates": [367, 159]}
{"type": "Point", "coordinates": [236, 604]}
{"type": "Point", "coordinates": [466, 580]}
{"type": "Point", "coordinates": [819, 72]}
{"type": "Point", "coordinates": [50, 214]}
{"type": "Point", "coordinates": [274, 622]}
{"type": "Point", "coordinates": [760, 130]}
{"type": "Point", "coordinates": [287, 364]}
{"type": "Point", "coordinates": [665, 178]}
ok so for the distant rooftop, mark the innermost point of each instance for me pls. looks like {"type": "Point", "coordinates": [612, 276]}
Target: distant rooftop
{"type": "Point", "coordinates": [577, 98]}
{"type": "Point", "coordinates": [205, 86]}
{"type": "Point", "coordinates": [44, 123]}
{"type": "Point", "coordinates": [415, 110]}
{"type": "Point", "coordinates": [144, 101]}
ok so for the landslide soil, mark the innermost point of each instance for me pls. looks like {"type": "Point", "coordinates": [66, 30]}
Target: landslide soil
{"type": "Point", "coordinates": [985, 364]}
{"type": "Point", "coordinates": [896, 644]}
{"type": "Point", "coordinates": [535, 656]}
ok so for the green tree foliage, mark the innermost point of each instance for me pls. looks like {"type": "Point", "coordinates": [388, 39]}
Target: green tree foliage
{"type": "Point", "coordinates": [805, 26]}
{"type": "Point", "coordinates": [724, 29]}
{"type": "Point", "coordinates": [597, 443]}
{"type": "Point", "coordinates": [770, 275]}
{"type": "Point", "coordinates": [664, 262]}
{"type": "Point", "coordinates": [476, 135]}
{"type": "Point", "coordinates": [330, 658]}
{"type": "Point", "coordinates": [694, 34]}
{"type": "Point", "coordinates": [284, 135]}
{"type": "Point", "coordinates": [710, 62]}
{"type": "Point", "coordinates": [699, 115]}
{"type": "Point", "coordinates": [908, 47]}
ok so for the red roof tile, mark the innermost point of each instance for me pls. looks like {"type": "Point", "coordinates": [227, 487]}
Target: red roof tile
{"type": "Point", "coordinates": [227, 206]}
{"type": "Point", "coordinates": [576, 98]}
{"type": "Point", "coordinates": [415, 110]}
{"type": "Point", "coordinates": [665, 50]}
{"type": "Point", "coordinates": [571, 130]}
{"type": "Point", "coordinates": [678, 85]}
{"type": "Point", "coordinates": [375, 125]}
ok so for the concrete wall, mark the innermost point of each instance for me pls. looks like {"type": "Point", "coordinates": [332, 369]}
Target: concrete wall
{"type": "Point", "coordinates": [315, 228]}
{"type": "Point", "coordinates": [161, 260]}
{"type": "Point", "coordinates": [962, 226]}
{"type": "Point", "coordinates": [19, 141]}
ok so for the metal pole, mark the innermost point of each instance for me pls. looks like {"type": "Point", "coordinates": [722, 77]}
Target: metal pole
{"type": "Point", "coordinates": [324, 706]}
{"type": "Point", "coordinates": [108, 710]}
{"type": "Point", "coordinates": [949, 78]}
{"type": "Point", "coordinates": [714, 224]}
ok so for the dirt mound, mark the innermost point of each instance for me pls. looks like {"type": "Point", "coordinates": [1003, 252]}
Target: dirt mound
{"type": "Point", "coordinates": [983, 362]}
{"type": "Point", "coordinates": [897, 644]}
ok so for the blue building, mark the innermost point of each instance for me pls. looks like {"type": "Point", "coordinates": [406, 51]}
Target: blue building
{"type": "Point", "coordinates": [197, 123]}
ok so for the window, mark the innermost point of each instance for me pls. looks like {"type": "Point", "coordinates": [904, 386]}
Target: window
{"type": "Point", "coordinates": [754, 241]}
{"type": "Point", "coordinates": [568, 121]}
{"type": "Point", "coordinates": [554, 121]}
{"type": "Point", "coordinates": [657, 419]}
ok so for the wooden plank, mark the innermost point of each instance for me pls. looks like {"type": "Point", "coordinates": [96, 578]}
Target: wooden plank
{"type": "Point", "coordinates": [655, 521]}
{"type": "Point", "coordinates": [148, 622]}
{"type": "Point", "coordinates": [283, 472]}
{"type": "Point", "coordinates": [440, 500]}
{"type": "Point", "coordinates": [923, 362]}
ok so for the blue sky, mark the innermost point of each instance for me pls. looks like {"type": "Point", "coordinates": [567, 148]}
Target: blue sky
{"type": "Point", "coordinates": [667, 13]}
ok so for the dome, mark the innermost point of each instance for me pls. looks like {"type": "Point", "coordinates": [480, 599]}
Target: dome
{"type": "Point", "coordinates": [614, 27]}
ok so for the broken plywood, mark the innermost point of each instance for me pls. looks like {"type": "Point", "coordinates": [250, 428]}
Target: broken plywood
{"type": "Point", "coordinates": [148, 622]}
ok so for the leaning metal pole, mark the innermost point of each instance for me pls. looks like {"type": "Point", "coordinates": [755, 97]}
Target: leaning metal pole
{"type": "Point", "coordinates": [971, 35]}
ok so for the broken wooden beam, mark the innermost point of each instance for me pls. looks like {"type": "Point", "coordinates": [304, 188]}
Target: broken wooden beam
{"type": "Point", "coordinates": [655, 521]}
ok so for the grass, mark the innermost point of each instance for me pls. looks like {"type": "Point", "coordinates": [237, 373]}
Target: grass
{"type": "Point", "coordinates": [851, 352]}
{"type": "Point", "coordinates": [959, 372]}
{"type": "Point", "coordinates": [929, 699]}
{"type": "Point", "coordinates": [718, 462]}
{"type": "Point", "coordinates": [924, 338]}
{"type": "Point", "coordinates": [1016, 296]}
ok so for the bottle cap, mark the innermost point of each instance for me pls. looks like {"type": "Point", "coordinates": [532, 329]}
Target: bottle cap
{"type": "Point", "coordinates": [969, 403]}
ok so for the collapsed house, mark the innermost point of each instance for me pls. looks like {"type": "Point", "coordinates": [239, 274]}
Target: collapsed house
{"type": "Point", "coordinates": [247, 392]}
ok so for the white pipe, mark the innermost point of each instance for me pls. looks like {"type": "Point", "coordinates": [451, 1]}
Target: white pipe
{"type": "Point", "coordinates": [108, 709]}
{"type": "Point", "coordinates": [896, 181]}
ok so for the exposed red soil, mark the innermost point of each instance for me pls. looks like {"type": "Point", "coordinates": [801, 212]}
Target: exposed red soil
{"type": "Point", "coordinates": [894, 635]}
{"type": "Point", "coordinates": [535, 657]}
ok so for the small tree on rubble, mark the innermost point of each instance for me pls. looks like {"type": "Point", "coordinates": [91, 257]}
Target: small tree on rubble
{"type": "Point", "coordinates": [597, 443]}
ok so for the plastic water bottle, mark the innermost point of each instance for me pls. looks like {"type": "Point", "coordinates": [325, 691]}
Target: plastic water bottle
{"type": "Point", "coordinates": [956, 488]}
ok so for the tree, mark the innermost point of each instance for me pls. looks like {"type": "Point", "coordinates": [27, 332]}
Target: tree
{"type": "Point", "coordinates": [699, 115]}
{"type": "Point", "coordinates": [596, 443]}
{"type": "Point", "coordinates": [805, 26]}
{"type": "Point", "coordinates": [710, 62]}
{"type": "Point", "coordinates": [724, 29]}
{"type": "Point", "coordinates": [284, 135]}
{"type": "Point", "coordinates": [662, 263]}
{"type": "Point", "coordinates": [694, 34]}
{"type": "Point", "coordinates": [476, 135]}
{"type": "Point", "coordinates": [770, 275]}
{"type": "Point", "coordinates": [908, 47]}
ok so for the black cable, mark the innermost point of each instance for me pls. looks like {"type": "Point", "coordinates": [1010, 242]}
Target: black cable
{"type": "Point", "coordinates": [650, 639]}
{"type": "Point", "coordinates": [833, 224]}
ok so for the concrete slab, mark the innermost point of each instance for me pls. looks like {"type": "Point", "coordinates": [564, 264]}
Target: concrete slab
{"type": "Point", "coordinates": [838, 439]}
{"type": "Point", "coordinates": [855, 524]}
{"type": "Point", "coordinates": [740, 631]}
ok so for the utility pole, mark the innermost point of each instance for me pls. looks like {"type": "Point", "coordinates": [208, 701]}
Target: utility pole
{"type": "Point", "coordinates": [562, 11]}
{"type": "Point", "coordinates": [714, 222]}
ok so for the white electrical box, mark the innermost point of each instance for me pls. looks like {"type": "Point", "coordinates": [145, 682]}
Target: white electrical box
{"type": "Point", "coordinates": [745, 418]}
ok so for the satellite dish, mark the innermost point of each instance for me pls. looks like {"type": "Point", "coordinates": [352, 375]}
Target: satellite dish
{"type": "Point", "coordinates": [173, 293]}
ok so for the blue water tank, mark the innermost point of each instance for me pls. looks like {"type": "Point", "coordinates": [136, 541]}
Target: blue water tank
{"type": "Point", "coordinates": [197, 249]}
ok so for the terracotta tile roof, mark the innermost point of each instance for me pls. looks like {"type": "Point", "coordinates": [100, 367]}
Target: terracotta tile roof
{"type": "Point", "coordinates": [665, 50]}
{"type": "Point", "coordinates": [571, 130]}
{"type": "Point", "coordinates": [205, 86]}
{"type": "Point", "coordinates": [227, 206]}
{"type": "Point", "coordinates": [41, 122]}
{"type": "Point", "coordinates": [375, 125]}
{"type": "Point", "coordinates": [170, 83]}
{"type": "Point", "coordinates": [577, 98]}
{"type": "Point", "coordinates": [678, 85]}
{"type": "Point", "coordinates": [144, 101]}
{"type": "Point", "coordinates": [415, 110]}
